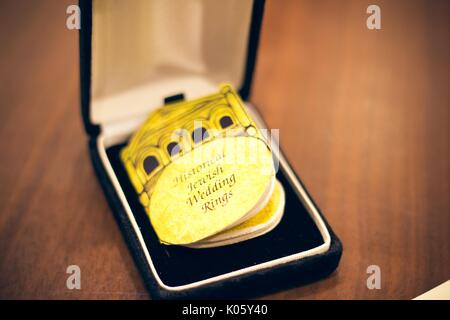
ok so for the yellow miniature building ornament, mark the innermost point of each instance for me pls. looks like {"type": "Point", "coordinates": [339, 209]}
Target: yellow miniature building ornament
{"type": "Point", "coordinates": [204, 172]}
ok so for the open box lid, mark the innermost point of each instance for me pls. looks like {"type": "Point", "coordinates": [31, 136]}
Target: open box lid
{"type": "Point", "coordinates": [135, 54]}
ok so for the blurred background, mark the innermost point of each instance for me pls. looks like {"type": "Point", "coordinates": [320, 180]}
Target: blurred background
{"type": "Point", "coordinates": [363, 118]}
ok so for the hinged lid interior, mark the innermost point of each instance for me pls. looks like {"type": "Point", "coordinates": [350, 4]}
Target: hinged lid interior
{"type": "Point", "coordinates": [142, 51]}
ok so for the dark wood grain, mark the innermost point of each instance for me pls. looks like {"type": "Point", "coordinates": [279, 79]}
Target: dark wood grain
{"type": "Point", "coordinates": [363, 117]}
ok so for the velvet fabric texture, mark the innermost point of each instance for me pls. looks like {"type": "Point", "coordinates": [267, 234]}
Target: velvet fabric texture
{"type": "Point", "coordinates": [179, 265]}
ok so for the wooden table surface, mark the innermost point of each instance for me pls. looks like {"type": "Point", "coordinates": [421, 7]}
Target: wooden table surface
{"type": "Point", "coordinates": [363, 117]}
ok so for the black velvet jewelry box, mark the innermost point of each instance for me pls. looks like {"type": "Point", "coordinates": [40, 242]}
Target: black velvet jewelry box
{"type": "Point", "coordinates": [133, 57]}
